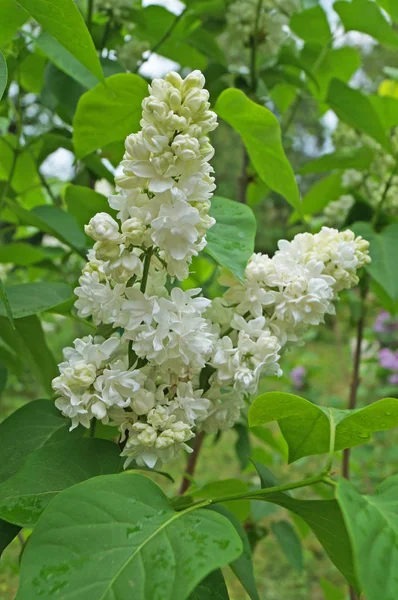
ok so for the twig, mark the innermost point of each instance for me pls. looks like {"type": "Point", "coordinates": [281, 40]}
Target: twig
{"type": "Point", "coordinates": [352, 401]}
{"type": "Point", "coordinates": [354, 393]}
{"type": "Point", "coordinates": [383, 198]}
{"type": "Point", "coordinates": [159, 43]}
{"type": "Point", "coordinates": [254, 45]}
{"type": "Point", "coordinates": [191, 463]}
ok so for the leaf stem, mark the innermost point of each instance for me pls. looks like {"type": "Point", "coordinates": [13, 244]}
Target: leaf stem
{"type": "Point", "coordinates": [332, 441]}
{"type": "Point", "coordinates": [265, 492]}
{"type": "Point", "coordinates": [376, 215]}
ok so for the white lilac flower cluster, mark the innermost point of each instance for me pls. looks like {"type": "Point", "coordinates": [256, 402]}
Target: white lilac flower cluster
{"type": "Point", "coordinates": [380, 180]}
{"type": "Point", "coordinates": [269, 18]}
{"type": "Point", "coordinates": [336, 212]}
{"type": "Point", "coordinates": [176, 362]}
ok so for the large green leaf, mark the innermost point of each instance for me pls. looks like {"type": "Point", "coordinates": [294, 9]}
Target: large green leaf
{"type": "Point", "coordinates": [108, 113]}
{"type": "Point", "coordinates": [23, 254]}
{"type": "Point", "coordinates": [3, 74]}
{"type": "Point", "coordinates": [311, 25]}
{"type": "Point", "coordinates": [355, 109]}
{"type": "Point", "coordinates": [243, 565]}
{"type": "Point", "coordinates": [65, 60]}
{"type": "Point", "coordinates": [261, 134]}
{"type": "Point", "coordinates": [325, 519]}
{"type": "Point", "coordinates": [31, 298]}
{"type": "Point", "coordinates": [289, 543]}
{"type": "Point", "coordinates": [383, 251]}
{"type": "Point", "coordinates": [322, 192]}
{"type": "Point", "coordinates": [36, 424]}
{"type": "Point", "coordinates": [83, 203]}
{"type": "Point", "coordinates": [29, 345]}
{"type": "Point", "coordinates": [231, 240]}
{"type": "Point", "coordinates": [365, 16]}
{"type": "Point", "coordinates": [372, 523]}
{"type": "Point", "coordinates": [63, 20]}
{"type": "Point", "coordinates": [342, 158]}
{"type": "Point", "coordinates": [123, 528]}
{"type": "Point", "coordinates": [54, 221]}
{"type": "Point", "coordinates": [56, 467]}
{"type": "Point", "coordinates": [12, 18]}
{"type": "Point", "coordinates": [387, 109]}
{"type": "Point", "coordinates": [340, 63]}
{"type": "Point", "coordinates": [211, 588]}
{"type": "Point", "coordinates": [306, 426]}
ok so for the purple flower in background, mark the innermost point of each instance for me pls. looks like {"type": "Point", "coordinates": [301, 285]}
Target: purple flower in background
{"type": "Point", "coordinates": [388, 359]}
{"type": "Point", "coordinates": [297, 375]}
{"type": "Point", "coordinates": [384, 323]}
{"type": "Point", "coordinates": [393, 379]}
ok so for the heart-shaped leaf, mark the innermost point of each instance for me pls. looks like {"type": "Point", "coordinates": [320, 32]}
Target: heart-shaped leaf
{"type": "Point", "coordinates": [55, 467]}
{"type": "Point", "coordinates": [118, 537]}
{"type": "Point", "coordinates": [372, 523]}
{"type": "Point", "coordinates": [261, 134]}
{"type": "Point", "coordinates": [231, 240]}
{"type": "Point", "coordinates": [325, 519]}
{"type": "Point", "coordinates": [306, 426]}
{"type": "Point", "coordinates": [383, 251]}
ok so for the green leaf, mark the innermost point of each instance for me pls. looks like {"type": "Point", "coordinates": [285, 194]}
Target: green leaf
{"type": "Point", "coordinates": [211, 588]}
{"type": "Point", "coordinates": [365, 16]}
{"type": "Point", "coordinates": [12, 18]}
{"type": "Point", "coordinates": [23, 254]}
{"type": "Point", "coordinates": [387, 109]}
{"type": "Point", "coordinates": [32, 72]}
{"type": "Point", "coordinates": [55, 467]}
{"type": "Point", "coordinates": [325, 519]}
{"type": "Point", "coordinates": [344, 158]}
{"type": "Point", "coordinates": [63, 20]}
{"type": "Point", "coordinates": [29, 345]}
{"type": "Point", "coordinates": [108, 113]}
{"type": "Point", "coordinates": [330, 591]}
{"type": "Point", "coordinates": [30, 298]}
{"type": "Point", "coordinates": [243, 565]}
{"type": "Point", "coordinates": [8, 532]}
{"type": "Point", "coordinates": [122, 526]}
{"type": "Point", "coordinates": [322, 192]}
{"type": "Point", "coordinates": [340, 63]}
{"type": "Point", "coordinates": [231, 240]}
{"type": "Point", "coordinates": [3, 376]}
{"type": "Point", "coordinates": [305, 426]}
{"type": "Point", "coordinates": [372, 523]}
{"type": "Point", "coordinates": [36, 424]}
{"type": "Point", "coordinates": [83, 203]}
{"type": "Point", "coordinates": [289, 543]}
{"type": "Point", "coordinates": [242, 445]}
{"type": "Point", "coordinates": [54, 221]}
{"type": "Point", "coordinates": [3, 74]}
{"type": "Point", "coordinates": [311, 25]}
{"type": "Point", "coordinates": [261, 134]}
{"type": "Point", "coordinates": [239, 508]}
{"type": "Point", "coordinates": [391, 7]}
{"type": "Point", "coordinates": [355, 109]}
{"type": "Point", "coordinates": [383, 251]}
{"type": "Point", "coordinates": [5, 304]}
{"type": "Point", "coordinates": [60, 93]}
{"type": "Point", "coordinates": [65, 60]}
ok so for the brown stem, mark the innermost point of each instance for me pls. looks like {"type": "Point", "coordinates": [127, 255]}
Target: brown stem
{"type": "Point", "coordinates": [243, 178]}
{"type": "Point", "coordinates": [352, 401]}
{"type": "Point", "coordinates": [191, 463]}
{"type": "Point", "coordinates": [354, 385]}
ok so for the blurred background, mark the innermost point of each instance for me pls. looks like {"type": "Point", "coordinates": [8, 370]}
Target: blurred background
{"type": "Point", "coordinates": [346, 179]}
